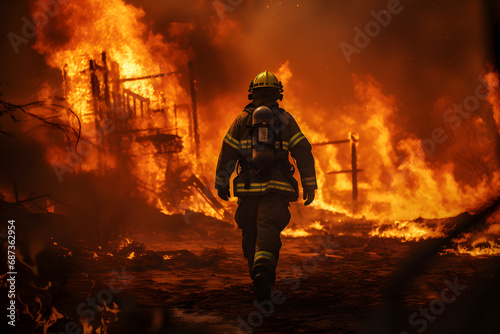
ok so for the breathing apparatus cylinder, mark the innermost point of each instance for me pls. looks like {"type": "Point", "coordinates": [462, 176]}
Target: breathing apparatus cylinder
{"type": "Point", "coordinates": [262, 138]}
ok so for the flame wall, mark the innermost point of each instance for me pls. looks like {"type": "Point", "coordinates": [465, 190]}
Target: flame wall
{"type": "Point", "coordinates": [393, 94]}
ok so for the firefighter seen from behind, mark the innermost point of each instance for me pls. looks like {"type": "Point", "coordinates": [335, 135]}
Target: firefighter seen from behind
{"type": "Point", "coordinates": [257, 145]}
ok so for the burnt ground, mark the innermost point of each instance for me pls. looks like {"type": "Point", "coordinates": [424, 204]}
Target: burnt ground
{"type": "Point", "coordinates": [195, 280]}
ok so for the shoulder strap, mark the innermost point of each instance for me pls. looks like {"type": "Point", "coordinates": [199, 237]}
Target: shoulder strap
{"type": "Point", "coordinates": [249, 108]}
{"type": "Point", "coordinates": [280, 114]}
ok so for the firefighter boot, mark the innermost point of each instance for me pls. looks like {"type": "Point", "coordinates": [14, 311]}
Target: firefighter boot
{"type": "Point", "coordinates": [262, 283]}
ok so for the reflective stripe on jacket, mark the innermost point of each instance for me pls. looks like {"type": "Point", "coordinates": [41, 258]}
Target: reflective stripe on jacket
{"type": "Point", "coordinates": [237, 146]}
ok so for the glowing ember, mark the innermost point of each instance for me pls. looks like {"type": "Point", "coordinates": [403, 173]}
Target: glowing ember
{"type": "Point", "coordinates": [289, 232]}
{"type": "Point", "coordinates": [404, 230]}
{"type": "Point", "coordinates": [54, 316]}
{"type": "Point", "coordinates": [316, 225]}
{"type": "Point", "coordinates": [124, 243]}
{"type": "Point", "coordinates": [87, 328]}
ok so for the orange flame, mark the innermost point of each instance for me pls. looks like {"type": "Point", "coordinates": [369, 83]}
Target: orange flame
{"type": "Point", "coordinates": [397, 185]}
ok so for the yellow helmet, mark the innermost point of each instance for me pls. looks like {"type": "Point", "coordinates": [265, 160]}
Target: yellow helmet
{"type": "Point", "coordinates": [265, 79]}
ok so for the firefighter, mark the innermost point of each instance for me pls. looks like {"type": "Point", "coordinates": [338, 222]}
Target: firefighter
{"type": "Point", "coordinates": [257, 145]}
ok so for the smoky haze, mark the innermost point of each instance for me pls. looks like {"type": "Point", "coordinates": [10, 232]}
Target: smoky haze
{"type": "Point", "coordinates": [428, 57]}
{"type": "Point", "coordinates": [429, 51]}
{"type": "Point", "coordinates": [432, 51]}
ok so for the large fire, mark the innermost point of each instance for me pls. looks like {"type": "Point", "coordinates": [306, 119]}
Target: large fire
{"type": "Point", "coordinates": [133, 94]}
{"type": "Point", "coordinates": [120, 81]}
{"type": "Point", "coordinates": [125, 84]}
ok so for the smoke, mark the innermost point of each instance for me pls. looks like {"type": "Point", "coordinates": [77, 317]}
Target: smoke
{"type": "Point", "coordinates": [429, 50]}
{"type": "Point", "coordinates": [427, 58]}
{"type": "Point", "coordinates": [428, 53]}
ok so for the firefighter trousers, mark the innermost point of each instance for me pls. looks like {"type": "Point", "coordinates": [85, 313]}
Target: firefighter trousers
{"type": "Point", "coordinates": [261, 219]}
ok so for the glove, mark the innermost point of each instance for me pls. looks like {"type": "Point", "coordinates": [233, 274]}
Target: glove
{"type": "Point", "coordinates": [308, 196]}
{"type": "Point", "coordinates": [223, 193]}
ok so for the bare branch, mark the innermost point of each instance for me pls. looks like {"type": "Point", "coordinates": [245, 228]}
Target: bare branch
{"type": "Point", "coordinates": [52, 121]}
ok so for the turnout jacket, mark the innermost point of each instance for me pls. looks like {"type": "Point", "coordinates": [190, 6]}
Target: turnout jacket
{"type": "Point", "coordinates": [236, 152]}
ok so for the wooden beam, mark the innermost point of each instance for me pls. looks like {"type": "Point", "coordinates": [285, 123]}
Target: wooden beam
{"type": "Point", "coordinates": [149, 76]}
{"type": "Point", "coordinates": [192, 86]}
{"type": "Point", "coordinates": [135, 96]}
{"type": "Point", "coordinates": [354, 170]}
{"type": "Point", "coordinates": [332, 142]}
{"type": "Point", "coordinates": [343, 171]}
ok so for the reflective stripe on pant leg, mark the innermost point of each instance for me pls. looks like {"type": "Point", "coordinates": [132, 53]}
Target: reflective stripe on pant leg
{"type": "Point", "coordinates": [265, 255]}
{"type": "Point", "coordinates": [272, 217]}
{"type": "Point", "coordinates": [245, 217]}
